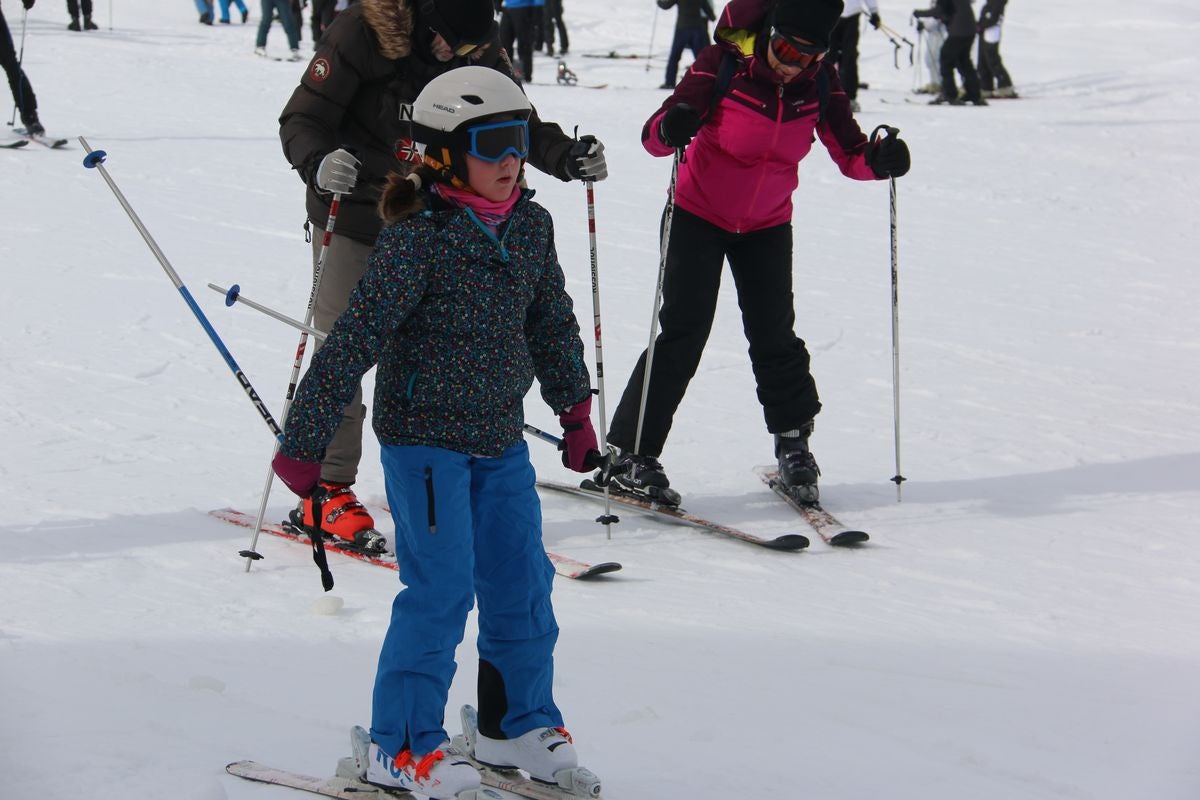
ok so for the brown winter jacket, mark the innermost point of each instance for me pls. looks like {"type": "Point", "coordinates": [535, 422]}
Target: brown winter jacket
{"type": "Point", "coordinates": [350, 96]}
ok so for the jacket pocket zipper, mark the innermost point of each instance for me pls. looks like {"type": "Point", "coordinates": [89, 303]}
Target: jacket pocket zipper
{"type": "Point", "coordinates": [430, 505]}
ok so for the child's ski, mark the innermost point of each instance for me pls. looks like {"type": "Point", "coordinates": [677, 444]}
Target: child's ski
{"type": "Point", "coordinates": [343, 788]}
{"type": "Point", "coordinates": [563, 565]}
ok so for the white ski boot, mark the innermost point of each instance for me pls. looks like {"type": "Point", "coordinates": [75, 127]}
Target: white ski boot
{"type": "Point", "coordinates": [442, 774]}
{"type": "Point", "coordinates": [546, 754]}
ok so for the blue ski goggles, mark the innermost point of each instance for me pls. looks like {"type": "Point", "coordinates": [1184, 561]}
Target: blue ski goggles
{"type": "Point", "coordinates": [493, 141]}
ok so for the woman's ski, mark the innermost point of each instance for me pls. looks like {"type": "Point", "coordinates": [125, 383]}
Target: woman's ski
{"type": "Point", "coordinates": [825, 524]}
{"type": "Point", "coordinates": [589, 489]}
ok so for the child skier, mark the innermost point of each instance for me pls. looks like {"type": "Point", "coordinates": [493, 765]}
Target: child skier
{"type": "Point", "coordinates": [462, 305]}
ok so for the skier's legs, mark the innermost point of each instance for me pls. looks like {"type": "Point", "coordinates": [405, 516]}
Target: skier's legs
{"type": "Point", "coordinates": [291, 26]}
{"type": "Point", "coordinates": [677, 45]}
{"type": "Point", "coordinates": [695, 255]}
{"type": "Point", "coordinates": [22, 91]}
{"type": "Point", "coordinates": [513, 579]}
{"type": "Point", "coordinates": [983, 68]}
{"type": "Point", "coordinates": [845, 34]}
{"type": "Point", "coordinates": [345, 264]}
{"type": "Point", "coordinates": [428, 489]}
{"type": "Point", "coordinates": [761, 264]}
{"type": "Point", "coordinates": [267, 12]}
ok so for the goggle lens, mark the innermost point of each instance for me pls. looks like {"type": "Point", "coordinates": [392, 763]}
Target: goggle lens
{"type": "Point", "coordinates": [794, 54]}
{"type": "Point", "coordinates": [494, 141]}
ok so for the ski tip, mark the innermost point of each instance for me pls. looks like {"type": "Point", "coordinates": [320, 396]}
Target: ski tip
{"type": "Point", "coordinates": [789, 541]}
{"type": "Point", "coordinates": [849, 538]}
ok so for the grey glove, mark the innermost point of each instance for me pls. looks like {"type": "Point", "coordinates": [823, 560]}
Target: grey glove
{"type": "Point", "coordinates": [338, 172]}
{"type": "Point", "coordinates": [585, 160]}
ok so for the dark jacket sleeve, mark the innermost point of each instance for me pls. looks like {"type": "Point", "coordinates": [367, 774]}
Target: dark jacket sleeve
{"type": "Point", "coordinates": [552, 333]}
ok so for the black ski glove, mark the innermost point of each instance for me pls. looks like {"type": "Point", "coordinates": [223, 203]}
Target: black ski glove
{"type": "Point", "coordinates": [888, 157]}
{"type": "Point", "coordinates": [679, 125]}
{"type": "Point", "coordinates": [585, 160]}
{"type": "Point", "coordinates": [874, 20]}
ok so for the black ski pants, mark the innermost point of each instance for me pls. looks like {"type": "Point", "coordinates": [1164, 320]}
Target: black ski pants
{"type": "Point", "coordinates": [843, 50]}
{"type": "Point", "coordinates": [73, 7]}
{"type": "Point", "coordinates": [991, 67]}
{"type": "Point", "coordinates": [553, 18]}
{"type": "Point", "coordinates": [522, 25]}
{"type": "Point", "coordinates": [956, 55]}
{"type": "Point", "coordinates": [761, 264]}
{"type": "Point", "coordinates": [22, 91]}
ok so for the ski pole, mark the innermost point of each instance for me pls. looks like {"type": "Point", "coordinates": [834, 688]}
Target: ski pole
{"type": "Point", "coordinates": [607, 518]}
{"type": "Point", "coordinates": [95, 160]}
{"type": "Point", "coordinates": [662, 268]}
{"type": "Point", "coordinates": [234, 295]}
{"type": "Point", "coordinates": [653, 29]}
{"type": "Point", "coordinates": [335, 204]}
{"type": "Point", "coordinates": [898, 478]}
{"type": "Point", "coordinates": [895, 37]}
{"type": "Point", "coordinates": [20, 74]}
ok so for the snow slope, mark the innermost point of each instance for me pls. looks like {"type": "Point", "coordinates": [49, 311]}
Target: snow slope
{"type": "Point", "coordinates": [1023, 624]}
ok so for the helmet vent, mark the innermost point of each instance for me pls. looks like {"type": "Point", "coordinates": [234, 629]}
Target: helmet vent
{"type": "Point", "coordinates": [473, 99]}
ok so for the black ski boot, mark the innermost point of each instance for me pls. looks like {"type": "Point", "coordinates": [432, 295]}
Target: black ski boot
{"type": "Point", "coordinates": [73, 25]}
{"type": "Point", "coordinates": [798, 470]}
{"type": "Point", "coordinates": [643, 476]}
{"type": "Point", "coordinates": [88, 25]}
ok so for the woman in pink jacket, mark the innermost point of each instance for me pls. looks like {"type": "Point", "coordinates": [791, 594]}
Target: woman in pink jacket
{"type": "Point", "coordinates": [745, 114]}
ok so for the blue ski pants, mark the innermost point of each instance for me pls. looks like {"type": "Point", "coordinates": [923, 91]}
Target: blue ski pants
{"type": "Point", "coordinates": [467, 528]}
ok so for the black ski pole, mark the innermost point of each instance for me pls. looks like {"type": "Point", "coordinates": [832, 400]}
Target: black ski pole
{"type": "Point", "coordinates": [658, 290]}
{"type": "Point", "coordinates": [898, 478]}
{"type": "Point", "coordinates": [95, 160]}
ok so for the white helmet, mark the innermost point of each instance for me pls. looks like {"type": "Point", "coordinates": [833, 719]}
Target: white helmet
{"type": "Point", "coordinates": [454, 100]}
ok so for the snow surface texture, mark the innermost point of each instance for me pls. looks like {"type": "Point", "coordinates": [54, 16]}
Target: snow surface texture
{"type": "Point", "coordinates": [1023, 625]}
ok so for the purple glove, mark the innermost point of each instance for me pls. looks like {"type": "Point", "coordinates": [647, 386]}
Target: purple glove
{"type": "Point", "coordinates": [581, 453]}
{"type": "Point", "coordinates": [300, 476]}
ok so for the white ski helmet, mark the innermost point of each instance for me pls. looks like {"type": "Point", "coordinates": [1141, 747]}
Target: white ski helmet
{"type": "Point", "coordinates": [459, 99]}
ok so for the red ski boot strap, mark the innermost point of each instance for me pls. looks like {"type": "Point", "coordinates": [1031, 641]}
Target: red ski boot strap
{"type": "Point", "coordinates": [319, 497]}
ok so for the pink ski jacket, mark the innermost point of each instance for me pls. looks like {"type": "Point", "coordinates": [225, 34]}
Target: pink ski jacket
{"type": "Point", "coordinates": [740, 170]}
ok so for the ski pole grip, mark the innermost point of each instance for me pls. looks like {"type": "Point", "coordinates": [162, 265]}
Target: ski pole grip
{"type": "Point", "coordinates": [889, 130]}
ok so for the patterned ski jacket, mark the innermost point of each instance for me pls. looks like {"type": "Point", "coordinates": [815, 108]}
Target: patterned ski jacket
{"type": "Point", "coordinates": [459, 334]}
{"type": "Point", "coordinates": [364, 69]}
{"type": "Point", "coordinates": [739, 171]}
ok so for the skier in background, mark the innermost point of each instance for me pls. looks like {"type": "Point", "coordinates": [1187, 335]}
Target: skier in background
{"type": "Point", "coordinates": [22, 90]}
{"type": "Point", "coordinates": [733, 200]}
{"type": "Point", "coordinates": [205, 7]}
{"type": "Point", "coordinates": [929, 26]}
{"type": "Point", "coordinates": [959, 19]}
{"type": "Point", "coordinates": [843, 44]}
{"type": "Point", "coordinates": [376, 56]}
{"type": "Point", "coordinates": [73, 9]}
{"type": "Point", "coordinates": [449, 418]}
{"type": "Point", "coordinates": [991, 67]}
{"type": "Point", "coordinates": [691, 32]}
{"type": "Point", "coordinates": [241, 6]}
{"type": "Point", "coordinates": [551, 19]}
{"type": "Point", "coordinates": [521, 22]}
{"type": "Point", "coordinates": [281, 9]}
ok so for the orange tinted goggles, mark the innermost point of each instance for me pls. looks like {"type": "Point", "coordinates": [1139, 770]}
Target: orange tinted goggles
{"type": "Point", "coordinates": [793, 53]}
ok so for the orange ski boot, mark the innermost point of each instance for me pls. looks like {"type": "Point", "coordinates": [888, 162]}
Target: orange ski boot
{"type": "Point", "coordinates": [342, 516]}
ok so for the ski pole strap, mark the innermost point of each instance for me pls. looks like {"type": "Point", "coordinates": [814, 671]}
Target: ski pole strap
{"type": "Point", "coordinates": [319, 497]}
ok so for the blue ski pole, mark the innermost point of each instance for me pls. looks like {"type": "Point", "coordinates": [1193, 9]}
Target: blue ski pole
{"type": "Point", "coordinates": [95, 160]}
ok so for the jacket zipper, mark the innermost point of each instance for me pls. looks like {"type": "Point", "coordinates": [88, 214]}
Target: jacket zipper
{"type": "Point", "coordinates": [430, 505]}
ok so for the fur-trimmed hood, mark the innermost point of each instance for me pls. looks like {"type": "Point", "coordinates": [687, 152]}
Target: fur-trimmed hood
{"type": "Point", "coordinates": [392, 21]}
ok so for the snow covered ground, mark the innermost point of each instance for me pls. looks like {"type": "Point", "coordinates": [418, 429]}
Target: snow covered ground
{"type": "Point", "coordinates": [1023, 624]}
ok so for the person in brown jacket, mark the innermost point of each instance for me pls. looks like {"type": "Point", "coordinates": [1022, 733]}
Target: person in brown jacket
{"type": "Point", "coordinates": [342, 132]}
